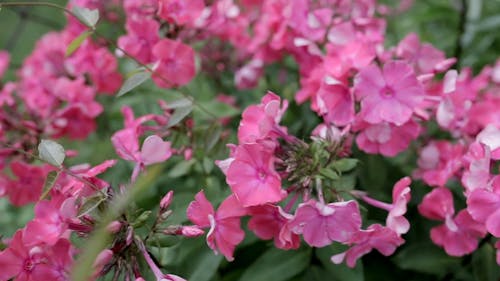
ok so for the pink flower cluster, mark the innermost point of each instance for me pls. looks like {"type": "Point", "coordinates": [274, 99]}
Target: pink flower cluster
{"type": "Point", "coordinates": [254, 174]}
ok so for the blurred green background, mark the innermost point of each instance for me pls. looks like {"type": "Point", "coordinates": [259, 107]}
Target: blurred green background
{"type": "Point", "coordinates": [471, 34]}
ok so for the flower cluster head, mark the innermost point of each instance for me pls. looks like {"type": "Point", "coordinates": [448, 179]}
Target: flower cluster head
{"type": "Point", "coordinates": [287, 188]}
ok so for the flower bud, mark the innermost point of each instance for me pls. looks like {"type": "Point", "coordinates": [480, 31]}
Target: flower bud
{"type": "Point", "coordinates": [114, 227]}
{"type": "Point", "coordinates": [166, 200]}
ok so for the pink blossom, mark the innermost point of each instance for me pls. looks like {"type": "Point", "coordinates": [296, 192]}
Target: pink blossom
{"type": "Point", "coordinates": [392, 94]}
{"type": "Point", "coordinates": [477, 167]}
{"type": "Point", "coordinates": [424, 57]}
{"type": "Point", "coordinates": [400, 198]}
{"type": "Point", "coordinates": [77, 184]}
{"type": "Point", "coordinates": [261, 121]}
{"type": "Point", "coordinates": [225, 231]}
{"type": "Point", "coordinates": [321, 224]}
{"type": "Point", "coordinates": [51, 221]}
{"type": "Point", "coordinates": [252, 177]}
{"type": "Point", "coordinates": [271, 222]}
{"type": "Point", "coordinates": [483, 204]}
{"type": "Point", "coordinates": [28, 187]}
{"type": "Point", "coordinates": [386, 138]}
{"type": "Point", "coordinates": [336, 104]}
{"type": "Point", "coordinates": [24, 263]}
{"type": "Point", "coordinates": [490, 136]}
{"type": "Point", "coordinates": [180, 12]}
{"type": "Point", "coordinates": [458, 235]}
{"type": "Point", "coordinates": [439, 161]}
{"type": "Point", "coordinates": [175, 66]}
{"type": "Point", "coordinates": [141, 36]}
{"type": "Point", "coordinates": [383, 239]}
{"type": "Point", "coordinates": [154, 149]}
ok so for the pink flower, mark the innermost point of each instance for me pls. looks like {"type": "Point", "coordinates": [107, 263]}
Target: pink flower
{"type": "Point", "coordinates": [424, 57]}
{"type": "Point", "coordinates": [51, 221]}
{"type": "Point", "coordinates": [28, 187]}
{"type": "Point", "coordinates": [261, 121]}
{"type": "Point", "coordinates": [271, 222]}
{"type": "Point", "coordinates": [439, 161]}
{"type": "Point", "coordinates": [336, 104]}
{"type": "Point", "coordinates": [483, 204]}
{"type": "Point", "coordinates": [176, 63]}
{"type": "Point", "coordinates": [225, 231]}
{"type": "Point", "coordinates": [24, 263]}
{"type": "Point", "coordinates": [383, 239]}
{"type": "Point", "coordinates": [154, 149]}
{"type": "Point", "coordinates": [321, 224]}
{"type": "Point", "coordinates": [142, 35]}
{"type": "Point", "coordinates": [391, 94]}
{"type": "Point", "coordinates": [400, 198]}
{"type": "Point", "coordinates": [252, 177]}
{"type": "Point", "coordinates": [180, 11]}
{"type": "Point", "coordinates": [477, 167]}
{"type": "Point", "coordinates": [458, 235]}
{"type": "Point", "coordinates": [386, 138]}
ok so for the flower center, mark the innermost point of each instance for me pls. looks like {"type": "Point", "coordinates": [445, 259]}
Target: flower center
{"type": "Point", "coordinates": [28, 265]}
{"type": "Point", "coordinates": [387, 92]}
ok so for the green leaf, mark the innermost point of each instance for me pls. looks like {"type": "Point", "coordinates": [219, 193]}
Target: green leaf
{"type": "Point", "coordinates": [345, 164]}
{"type": "Point", "coordinates": [484, 265]}
{"type": "Point", "coordinates": [77, 42]}
{"type": "Point", "coordinates": [133, 81]}
{"type": "Point", "coordinates": [51, 152]}
{"type": "Point", "coordinates": [184, 102]}
{"type": "Point", "coordinates": [206, 266]}
{"type": "Point", "coordinates": [213, 136]}
{"type": "Point", "coordinates": [179, 114]}
{"type": "Point", "coordinates": [329, 173]}
{"type": "Point", "coordinates": [220, 109]}
{"type": "Point", "coordinates": [141, 219]}
{"type": "Point", "coordinates": [181, 169]}
{"type": "Point", "coordinates": [424, 257]}
{"type": "Point", "coordinates": [277, 265]}
{"type": "Point", "coordinates": [49, 183]}
{"type": "Point", "coordinates": [87, 16]}
{"type": "Point", "coordinates": [90, 204]}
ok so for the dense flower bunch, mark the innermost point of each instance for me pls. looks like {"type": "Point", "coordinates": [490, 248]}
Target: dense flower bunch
{"type": "Point", "coordinates": [295, 189]}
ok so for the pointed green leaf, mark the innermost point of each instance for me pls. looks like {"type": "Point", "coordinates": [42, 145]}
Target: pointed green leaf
{"type": "Point", "coordinates": [133, 81]}
{"type": "Point", "coordinates": [277, 265]}
{"type": "Point", "coordinates": [49, 183]}
{"type": "Point", "coordinates": [184, 102]}
{"type": "Point", "coordinates": [179, 114]}
{"type": "Point", "coordinates": [345, 164]}
{"type": "Point", "coordinates": [181, 168]}
{"type": "Point", "coordinates": [51, 152]}
{"type": "Point", "coordinates": [87, 16]}
{"type": "Point", "coordinates": [77, 42]}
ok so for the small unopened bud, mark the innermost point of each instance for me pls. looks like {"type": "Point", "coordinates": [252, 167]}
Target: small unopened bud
{"type": "Point", "coordinates": [114, 227]}
{"type": "Point", "coordinates": [164, 216]}
{"type": "Point", "coordinates": [139, 279]}
{"type": "Point", "coordinates": [103, 258]}
{"type": "Point", "coordinates": [188, 154]}
{"type": "Point", "coordinates": [166, 200]}
{"type": "Point", "coordinates": [191, 231]}
{"type": "Point", "coordinates": [141, 219]}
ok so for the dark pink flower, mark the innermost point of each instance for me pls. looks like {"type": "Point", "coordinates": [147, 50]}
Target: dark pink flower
{"type": "Point", "coordinates": [180, 12]}
{"type": "Point", "coordinates": [483, 204]}
{"type": "Point", "coordinates": [175, 66]}
{"type": "Point", "coordinates": [321, 224]}
{"type": "Point", "coordinates": [271, 222]}
{"type": "Point", "coordinates": [28, 186]}
{"type": "Point", "coordinates": [385, 138]}
{"type": "Point", "coordinates": [225, 231]}
{"type": "Point", "coordinates": [391, 94]}
{"type": "Point", "coordinates": [439, 161]}
{"type": "Point", "coordinates": [458, 235]}
{"type": "Point", "coordinates": [261, 121]}
{"type": "Point", "coordinates": [383, 239]}
{"type": "Point", "coordinates": [252, 177]}
{"type": "Point", "coordinates": [24, 263]}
